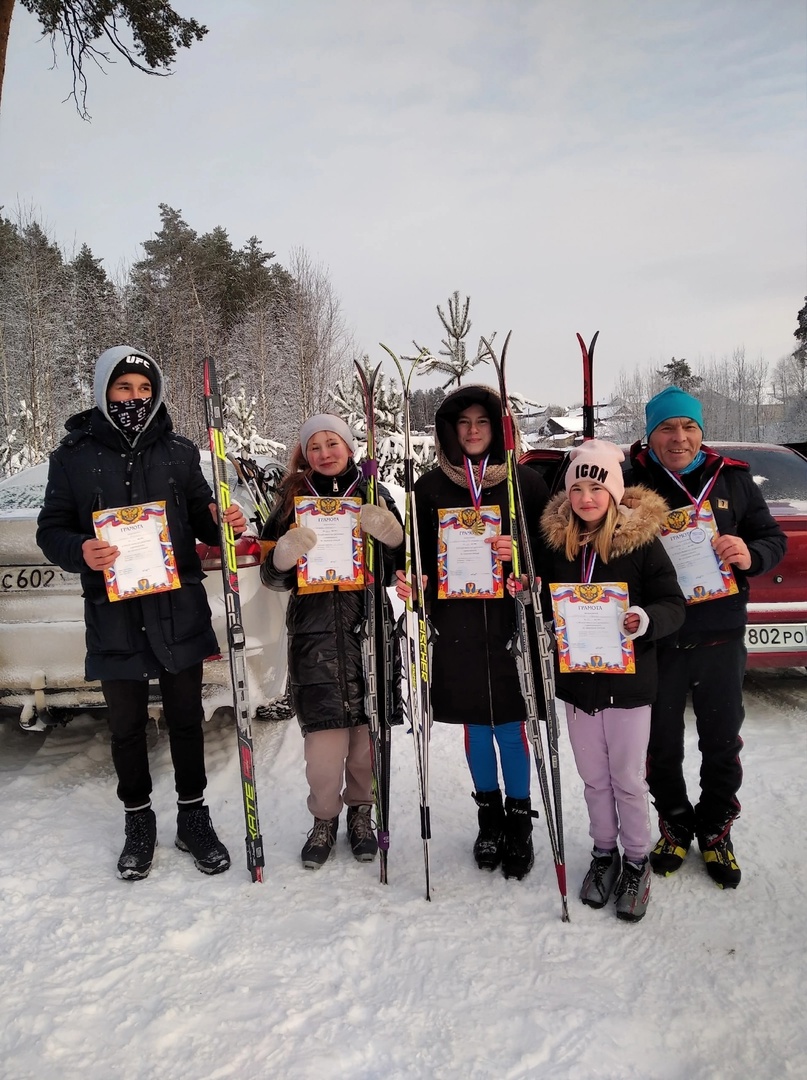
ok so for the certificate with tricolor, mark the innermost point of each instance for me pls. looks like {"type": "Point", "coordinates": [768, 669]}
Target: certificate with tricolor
{"type": "Point", "coordinates": [587, 627]}
{"type": "Point", "coordinates": [337, 558]}
{"type": "Point", "coordinates": [146, 563]}
{"type": "Point", "coordinates": [466, 565]}
{"type": "Point", "coordinates": [688, 537]}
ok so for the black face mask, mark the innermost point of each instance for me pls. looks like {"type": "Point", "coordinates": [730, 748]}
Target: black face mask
{"type": "Point", "coordinates": [130, 416]}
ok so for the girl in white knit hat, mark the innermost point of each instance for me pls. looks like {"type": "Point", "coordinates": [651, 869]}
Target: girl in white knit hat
{"type": "Point", "coordinates": [325, 658]}
{"type": "Point", "coordinates": [599, 532]}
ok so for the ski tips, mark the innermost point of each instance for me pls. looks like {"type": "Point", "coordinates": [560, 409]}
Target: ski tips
{"type": "Point", "coordinates": [588, 353]}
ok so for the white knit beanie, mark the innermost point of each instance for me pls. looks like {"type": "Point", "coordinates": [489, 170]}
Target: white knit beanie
{"type": "Point", "coordinates": [326, 422]}
{"type": "Point", "coordinates": [597, 460]}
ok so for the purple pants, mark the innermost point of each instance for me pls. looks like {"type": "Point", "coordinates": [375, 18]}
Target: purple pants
{"type": "Point", "coordinates": [610, 751]}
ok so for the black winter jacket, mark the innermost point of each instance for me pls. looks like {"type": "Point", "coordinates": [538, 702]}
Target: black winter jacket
{"type": "Point", "coordinates": [474, 675]}
{"type": "Point", "coordinates": [326, 675]}
{"type": "Point", "coordinates": [95, 468]}
{"type": "Point", "coordinates": [638, 558]}
{"type": "Point", "coordinates": [739, 510]}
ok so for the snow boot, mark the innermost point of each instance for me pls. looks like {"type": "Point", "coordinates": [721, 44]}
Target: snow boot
{"type": "Point", "coordinates": [718, 854]}
{"type": "Point", "coordinates": [196, 835]}
{"type": "Point", "coordinates": [360, 833]}
{"type": "Point", "coordinates": [633, 890]}
{"type": "Point", "coordinates": [138, 850]}
{"type": "Point", "coordinates": [319, 843]}
{"type": "Point", "coordinates": [669, 853]}
{"type": "Point", "coordinates": [599, 882]}
{"type": "Point", "coordinates": [517, 857]}
{"type": "Point", "coordinates": [489, 844]}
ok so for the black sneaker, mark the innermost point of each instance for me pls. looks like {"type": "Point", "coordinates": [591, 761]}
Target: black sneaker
{"type": "Point", "coordinates": [319, 844]}
{"type": "Point", "coordinates": [489, 843]}
{"type": "Point", "coordinates": [517, 857]}
{"type": "Point", "coordinates": [718, 854]}
{"type": "Point", "coordinates": [360, 833]}
{"type": "Point", "coordinates": [633, 890]}
{"type": "Point", "coordinates": [138, 851]}
{"type": "Point", "coordinates": [196, 835]}
{"type": "Point", "coordinates": [669, 853]}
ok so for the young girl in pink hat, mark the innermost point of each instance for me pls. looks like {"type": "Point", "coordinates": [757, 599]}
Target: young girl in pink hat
{"type": "Point", "coordinates": [597, 531]}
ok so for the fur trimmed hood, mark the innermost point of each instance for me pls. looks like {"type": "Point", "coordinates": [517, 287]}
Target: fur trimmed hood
{"type": "Point", "coordinates": [641, 513]}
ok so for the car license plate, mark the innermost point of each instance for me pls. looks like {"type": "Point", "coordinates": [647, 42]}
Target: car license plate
{"type": "Point", "coordinates": [37, 578]}
{"type": "Point", "coordinates": [776, 637]}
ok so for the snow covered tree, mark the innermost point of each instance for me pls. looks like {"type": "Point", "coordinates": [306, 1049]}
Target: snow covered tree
{"type": "Point", "coordinates": [678, 373]}
{"type": "Point", "coordinates": [88, 28]}
{"type": "Point", "coordinates": [240, 433]}
{"type": "Point", "coordinates": [457, 325]}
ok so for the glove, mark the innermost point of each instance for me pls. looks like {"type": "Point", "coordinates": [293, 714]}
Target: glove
{"type": "Point", "coordinates": [291, 546]}
{"type": "Point", "coordinates": [644, 622]}
{"type": "Point", "coordinates": [382, 524]}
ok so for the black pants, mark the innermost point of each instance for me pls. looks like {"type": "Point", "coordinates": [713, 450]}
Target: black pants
{"type": "Point", "coordinates": [127, 701]}
{"type": "Point", "coordinates": [714, 674]}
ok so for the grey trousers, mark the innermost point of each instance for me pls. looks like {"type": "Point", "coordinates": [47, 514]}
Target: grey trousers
{"type": "Point", "coordinates": [338, 769]}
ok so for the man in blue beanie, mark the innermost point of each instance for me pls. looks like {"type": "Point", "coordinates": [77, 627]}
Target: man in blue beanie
{"type": "Point", "coordinates": [707, 655]}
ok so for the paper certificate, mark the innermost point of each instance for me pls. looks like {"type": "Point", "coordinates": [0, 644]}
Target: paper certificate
{"type": "Point", "coordinates": [146, 563]}
{"type": "Point", "coordinates": [587, 627]}
{"type": "Point", "coordinates": [466, 565]}
{"type": "Point", "coordinates": [337, 558]}
{"type": "Point", "coordinates": [687, 537]}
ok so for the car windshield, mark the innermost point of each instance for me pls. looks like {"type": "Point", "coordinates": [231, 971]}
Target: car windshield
{"type": "Point", "coordinates": [781, 474]}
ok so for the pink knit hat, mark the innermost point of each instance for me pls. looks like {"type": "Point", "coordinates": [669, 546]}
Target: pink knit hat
{"type": "Point", "coordinates": [598, 461]}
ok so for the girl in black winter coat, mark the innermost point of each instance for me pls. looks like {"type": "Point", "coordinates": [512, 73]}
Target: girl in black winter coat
{"type": "Point", "coordinates": [599, 532]}
{"type": "Point", "coordinates": [124, 452]}
{"type": "Point", "coordinates": [474, 676]}
{"type": "Point", "coordinates": [325, 658]}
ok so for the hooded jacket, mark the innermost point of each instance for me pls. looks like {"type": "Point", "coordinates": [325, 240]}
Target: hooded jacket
{"type": "Point", "coordinates": [326, 674]}
{"type": "Point", "coordinates": [96, 467]}
{"type": "Point", "coordinates": [739, 510]}
{"type": "Point", "coordinates": [474, 675]}
{"type": "Point", "coordinates": [638, 558]}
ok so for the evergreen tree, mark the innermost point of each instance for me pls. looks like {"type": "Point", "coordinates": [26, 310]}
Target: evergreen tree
{"type": "Point", "coordinates": [88, 27]}
{"type": "Point", "coordinates": [679, 373]}
{"type": "Point", "coordinates": [457, 325]}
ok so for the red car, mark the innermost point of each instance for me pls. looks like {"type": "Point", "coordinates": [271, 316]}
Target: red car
{"type": "Point", "coordinates": [776, 635]}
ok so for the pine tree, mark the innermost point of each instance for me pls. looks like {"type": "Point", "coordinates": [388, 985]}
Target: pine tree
{"type": "Point", "coordinates": [457, 325]}
{"type": "Point", "coordinates": [678, 373]}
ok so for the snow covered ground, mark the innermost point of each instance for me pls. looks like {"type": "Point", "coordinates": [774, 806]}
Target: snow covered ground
{"type": "Point", "coordinates": [331, 975]}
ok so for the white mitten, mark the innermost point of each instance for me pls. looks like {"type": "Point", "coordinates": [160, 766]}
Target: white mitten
{"type": "Point", "coordinates": [291, 546]}
{"type": "Point", "coordinates": [644, 622]}
{"type": "Point", "coordinates": [382, 524]}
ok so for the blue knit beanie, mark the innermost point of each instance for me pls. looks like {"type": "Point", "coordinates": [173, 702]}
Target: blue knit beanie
{"type": "Point", "coordinates": [672, 401]}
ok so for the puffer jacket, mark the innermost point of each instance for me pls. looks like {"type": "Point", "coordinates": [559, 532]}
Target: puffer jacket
{"type": "Point", "coordinates": [740, 510]}
{"type": "Point", "coordinates": [96, 468]}
{"type": "Point", "coordinates": [474, 675]}
{"type": "Point", "coordinates": [637, 558]}
{"type": "Point", "coordinates": [326, 674]}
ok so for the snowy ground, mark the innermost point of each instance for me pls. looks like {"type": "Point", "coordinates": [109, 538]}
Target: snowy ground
{"type": "Point", "coordinates": [331, 975]}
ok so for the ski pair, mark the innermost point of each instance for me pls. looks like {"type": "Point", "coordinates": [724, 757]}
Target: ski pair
{"type": "Point", "coordinates": [235, 630]}
{"type": "Point", "coordinates": [523, 564]}
{"type": "Point", "coordinates": [376, 638]}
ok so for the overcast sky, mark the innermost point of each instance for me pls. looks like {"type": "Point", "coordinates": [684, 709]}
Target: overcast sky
{"type": "Point", "coordinates": [636, 168]}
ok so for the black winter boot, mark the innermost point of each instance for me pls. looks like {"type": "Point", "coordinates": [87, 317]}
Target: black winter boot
{"type": "Point", "coordinates": [196, 835]}
{"type": "Point", "coordinates": [363, 843]}
{"type": "Point", "coordinates": [518, 856]}
{"type": "Point", "coordinates": [319, 843]}
{"type": "Point", "coordinates": [489, 844]}
{"type": "Point", "coordinates": [138, 850]}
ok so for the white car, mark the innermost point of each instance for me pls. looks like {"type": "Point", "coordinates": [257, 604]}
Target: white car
{"type": "Point", "coordinates": [42, 620]}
